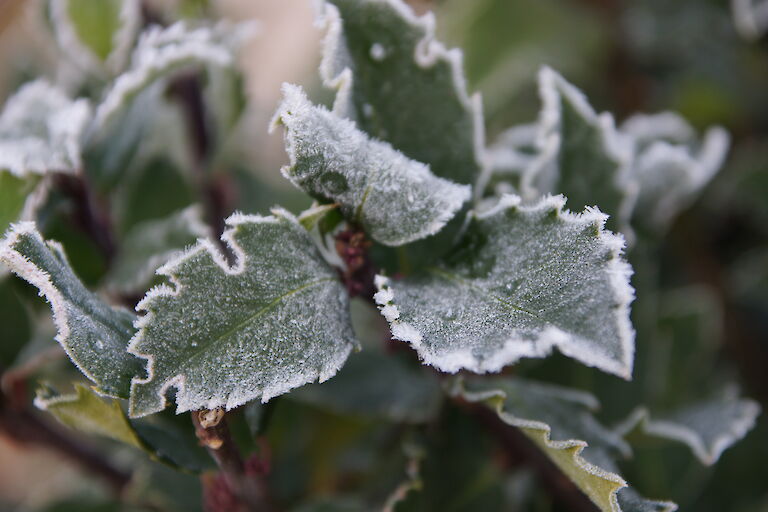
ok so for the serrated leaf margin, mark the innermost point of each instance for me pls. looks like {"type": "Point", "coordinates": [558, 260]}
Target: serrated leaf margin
{"type": "Point", "coordinates": [618, 270]}
{"type": "Point", "coordinates": [174, 288]}
{"type": "Point", "coordinates": [427, 52]}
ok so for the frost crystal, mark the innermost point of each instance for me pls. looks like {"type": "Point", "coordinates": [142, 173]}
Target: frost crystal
{"type": "Point", "coordinates": [223, 336]}
{"type": "Point", "coordinates": [396, 200]}
{"type": "Point", "coordinates": [524, 280]}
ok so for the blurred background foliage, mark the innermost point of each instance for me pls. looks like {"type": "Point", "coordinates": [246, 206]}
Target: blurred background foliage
{"type": "Point", "coordinates": [702, 309]}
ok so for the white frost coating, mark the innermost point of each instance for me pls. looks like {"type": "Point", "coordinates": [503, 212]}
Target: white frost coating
{"type": "Point", "coordinates": [41, 130]}
{"type": "Point", "coordinates": [750, 17]}
{"type": "Point", "coordinates": [223, 335]}
{"type": "Point", "coordinates": [92, 334]}
{"type": "Point", "coordinates": [163, 50]}
{"type": "Point", "coordinates": [535, 278]}
{"type": "Point", "coordinates": [397, 200]}
{"type": "Point", "coordinates": [337, 69]}
{"type": "Point", "coordinates": [708, 428]}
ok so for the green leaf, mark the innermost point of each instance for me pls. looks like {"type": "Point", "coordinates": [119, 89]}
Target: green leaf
{"type": "Point", "coordinates": [560, 422]}
{"type": "Point", "coordinates": [93, 334]}
{"type": "Point", "coordinates": [224, 335]}
{"type": "Point", "coordinates": [13, 196]}
{"type": "Point", "coordinates": [401, 85]}
{"type": "Point", "coordinates": [150, 244]}
{"type": "Point", "coordinates": [377, 385]}
{"type": "Point", "coordinates": [96, 33]}
{"type": "Point", "coordinates": [16, 322]}
{"type": "Point", "coordinates": [396, 200]}
{"type": "Point", "coordinates": [590, 159]}
{"type": "Point", "coordinates": [671, 167]}
{"type": "Point", "coordinates": [162, 51]}
{"type": "Point", "coordinates": [708, 427]}
{"type": "Point", "coordinates": [524, 280]}
{"type": "Point", "coordinates": [41, 130]}
{"type": "Point", "coordinates": [86, 412]}
{"type": "Point", "coordinates": [314, 215]}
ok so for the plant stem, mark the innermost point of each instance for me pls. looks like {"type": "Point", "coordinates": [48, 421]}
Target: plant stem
{"type": "Point", "coordinates": [212, 431]}
{"type": "Point", "coordinates": [187, 91]}
{"type": "Point", "coordinates": [352, 246]}
{"type": "Point", "coordinates": [89, 214]}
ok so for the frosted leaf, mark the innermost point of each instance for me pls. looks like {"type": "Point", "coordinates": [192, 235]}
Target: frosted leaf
{"type": "Point", "coordinates": [524, 280]}
{"type": "Point", "coordinates": [93, 334]}
{"type": "Point", "coordinates": [41, 130]}
{"type": "Point", "coordinates": [670, 167]}
{"type": "Point", "coordinates": [150, 244]}
{"type": "Point", "coordinates": [588, 158]}
{"type": "Point", "coordinates": [96, 35]}
{"type": "Point", "coordinates": [707, 427]}
{"type": "Point", "coordinates": [161, 51]}
{"type": "Point", "coordinates": [86, 412]}
{"type": "Point", "coordinates": [224, 335]}
{"type": "Point", "coordinates": [395, 199]}
{"type": "Point", "coordinates": [401, 85]}
{"type": "Point", "coordinates": [560, 422]}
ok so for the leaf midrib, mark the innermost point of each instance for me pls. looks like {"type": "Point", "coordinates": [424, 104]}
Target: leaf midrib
{"type": "Point", "coordinates": [204, 346]}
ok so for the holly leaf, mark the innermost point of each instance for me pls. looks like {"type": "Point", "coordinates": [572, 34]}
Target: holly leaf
{"type": "Point", "coordinates": [590, 159]}
{"type": "Point", "coordinates": [223, 335]}
{"type": "Point", "coordinates": [41, 131]}
{"type": "Point", "coordinates": [560, 422]}
{"type": "Point", "coordinates": [524, 280]}
{"type": "Point", "coordinates": [707, 427]}
{"type": "Point", "coordinates": [150, 244]}
{"type": "Point", "coordinates": [395, 199]}
{"type": "Point", "coordinates": [401, 85]}
{"type": "Point", "coordinates": [93, 334]}
{"type": "Point", "coordinates": [162, 51]}
{"type": "Point", "coordinates": [86, 412]}
{"type": "Point", "coordinates": [96, 34]}
{"type": "Point", "coordinates": [671, 167]}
